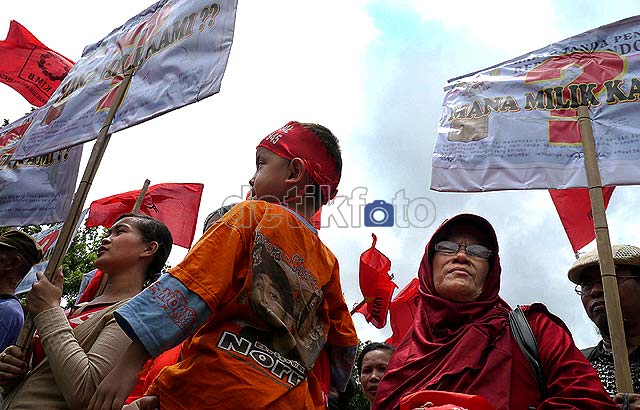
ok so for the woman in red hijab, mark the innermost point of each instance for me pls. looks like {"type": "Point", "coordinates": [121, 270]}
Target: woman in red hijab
{"type": "Point", "coordinates": [461, 340]}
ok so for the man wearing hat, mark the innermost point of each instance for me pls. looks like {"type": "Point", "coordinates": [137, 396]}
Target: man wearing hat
{"type": "Point", "coordinates": [18, 253]}
{"type": "Point", "coordinates": [585, 273]}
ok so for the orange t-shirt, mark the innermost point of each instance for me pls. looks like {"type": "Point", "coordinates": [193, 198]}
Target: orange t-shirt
{"type": "Point", "coordinates": [275, 297]}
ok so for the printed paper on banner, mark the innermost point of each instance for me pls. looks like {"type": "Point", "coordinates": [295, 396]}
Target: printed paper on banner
{"type": "Point", "coordinates": [36, 190]}
{"type": "Point", "coordinates": [514, 125]}
{"type": "Point", "coordinates": [180, 50]}
{"type": "Point", "coordinates": [47, 240]}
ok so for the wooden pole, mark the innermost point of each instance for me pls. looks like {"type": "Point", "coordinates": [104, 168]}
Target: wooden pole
{"type": "Point", "coordinates": [356, 307]}
{"type": "Point", "coordinates": [605, 255]}
{"type": "Point", "coordinates": [26, 334]}
{"type": "Point", "coordinates": [143, 192]}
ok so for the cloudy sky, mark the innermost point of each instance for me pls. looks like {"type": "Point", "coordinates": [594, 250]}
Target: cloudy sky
{"type": "Point", "coordinates": [373, 72]}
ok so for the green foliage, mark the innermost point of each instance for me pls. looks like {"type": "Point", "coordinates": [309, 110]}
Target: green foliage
{"type": "Point", "coordinates": [358, 402]}
{"type": "Point", "coordinates": [79, 259]}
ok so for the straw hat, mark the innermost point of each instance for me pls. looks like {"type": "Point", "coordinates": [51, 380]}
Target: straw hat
{"type": "Point", "coordinates": [622, 255]}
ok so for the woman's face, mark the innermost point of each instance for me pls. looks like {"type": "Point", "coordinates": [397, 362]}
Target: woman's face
{"type": "Point", "coordinates": [122, 247]}
{"type": "Point", "coordinates": [374, 364]}
{"type": "Point", "coordinates": [460, 277]}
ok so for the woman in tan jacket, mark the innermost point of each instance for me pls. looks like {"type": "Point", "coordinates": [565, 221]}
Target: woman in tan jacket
{"type": "Point", "coordinates": [79, 347]}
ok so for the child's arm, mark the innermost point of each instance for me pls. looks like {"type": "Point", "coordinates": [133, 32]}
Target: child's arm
{"type": "Point", "coordinates": [114, 389]}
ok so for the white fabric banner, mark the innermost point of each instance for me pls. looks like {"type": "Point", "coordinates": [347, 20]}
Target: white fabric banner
{"type": "Point", "coordinates": [514, 125]}
{"type": "Point", "coordinates": [47, 240]}
{"type": "Point", "coordinates": [180, 49]}
{"type": "Point", "coordinates": [36, 190]}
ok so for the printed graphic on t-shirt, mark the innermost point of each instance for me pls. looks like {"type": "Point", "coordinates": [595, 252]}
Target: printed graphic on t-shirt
{"type": "Point", "coordinates": [286, 296]}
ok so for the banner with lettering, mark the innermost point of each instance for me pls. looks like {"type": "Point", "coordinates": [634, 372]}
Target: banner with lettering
{"type": "Point", "coordinates": [180, 50]}
{"type": "Point", "coordinates": [47, 240]}
{"type": "Point", "coordinates": [514, 125]}
{"type": "Point", "coordinates": [35, 190]}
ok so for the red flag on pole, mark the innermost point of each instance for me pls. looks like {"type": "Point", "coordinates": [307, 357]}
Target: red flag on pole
{"type": "Point", "coordinates": [376, 285]}
{"type": "Point", "coordinates": [403, 310]}
{"type": "Point", "coordinates": [574, 208]}
{"type": "Point", "coordinates": [176, 205]}
{"type": "Point", "coordinates": [30, 67]}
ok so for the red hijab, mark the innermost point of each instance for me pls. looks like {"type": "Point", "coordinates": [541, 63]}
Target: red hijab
{"type": "Point", "coordinates": [454, 346]}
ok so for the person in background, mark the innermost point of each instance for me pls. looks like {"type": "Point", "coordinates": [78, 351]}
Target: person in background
{"type": "Point", "coordinates": [18, 253]}
{"type": "Point", "coordinates": [75, 350]}
{"type": "Point", "coordinates": [371, 365]}
{"type": "Point", "coordinates": [585, 273]}
{"type": "Point", "coordinates": [462, 342]}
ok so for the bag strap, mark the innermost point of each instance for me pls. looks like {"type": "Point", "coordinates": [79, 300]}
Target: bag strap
{"type": "Point", "coordinates": [527, 341]}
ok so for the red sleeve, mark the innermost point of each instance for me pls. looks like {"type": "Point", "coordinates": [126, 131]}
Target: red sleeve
{"type": "Point", "coordinates": [572, 383]}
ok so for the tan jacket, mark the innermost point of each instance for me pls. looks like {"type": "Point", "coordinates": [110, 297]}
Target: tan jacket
{"type": "Point", "coordinates": [77, 361]}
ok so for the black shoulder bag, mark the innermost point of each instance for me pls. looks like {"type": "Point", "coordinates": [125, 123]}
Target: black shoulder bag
{"type": "Point", "coordinates": [527, 341]}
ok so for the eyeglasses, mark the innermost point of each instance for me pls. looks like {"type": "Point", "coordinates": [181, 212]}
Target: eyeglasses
{"type": "Point", "coordinates": [584, 288]}
{"type": "Point", "coordinates": [451, 248]}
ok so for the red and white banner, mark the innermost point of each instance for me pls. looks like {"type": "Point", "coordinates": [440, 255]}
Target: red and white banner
{"type": "Point", "coordinates": [176, 205]}
{"type": "Point", "coordinates": [47, 240]}
{"type": "Point", "coordinates": [514, 125]}
{"type": "Point", "coordinates": [36, 190]}
{"type": "Point", "coordinates": [180, 50]}
{"type": "Point", "coordinates": [30, 67]}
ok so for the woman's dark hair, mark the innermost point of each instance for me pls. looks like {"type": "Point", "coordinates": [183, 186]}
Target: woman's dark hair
{"type": "Point", "coordinates": [153, 230]}
{"type": "Point", "coordinates": [369, 348]}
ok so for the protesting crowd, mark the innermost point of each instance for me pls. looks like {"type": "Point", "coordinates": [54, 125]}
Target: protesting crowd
{"type": "Point", "coordinates": [254, 316]}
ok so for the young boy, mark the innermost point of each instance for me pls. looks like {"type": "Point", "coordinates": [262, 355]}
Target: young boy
{"type": "Point", "coordinates": [257, 298]}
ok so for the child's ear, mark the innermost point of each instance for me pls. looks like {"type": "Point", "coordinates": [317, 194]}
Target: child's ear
{"type": "Point", "coordinates": [297, 171]}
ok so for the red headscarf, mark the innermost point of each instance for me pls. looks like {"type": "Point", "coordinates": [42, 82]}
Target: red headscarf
{"type": "Point", "coordinates": [295, 141]}
{"type": "Point", "coordinates": [454, 346]}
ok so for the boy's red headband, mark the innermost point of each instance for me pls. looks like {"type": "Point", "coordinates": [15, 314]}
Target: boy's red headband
{"type": "Point", "coordinates": [295, 141]}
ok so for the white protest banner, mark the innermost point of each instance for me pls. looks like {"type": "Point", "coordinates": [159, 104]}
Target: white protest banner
{"type": "Point", "coordinates": [180, 50]}
{"type": "Point", "coordinates": [513, 126]}
{"type": "Point", "coordinates": [47, 240]}
{"type": "Point", "coordinates": [36, 190]}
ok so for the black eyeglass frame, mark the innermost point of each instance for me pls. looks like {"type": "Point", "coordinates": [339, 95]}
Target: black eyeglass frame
{"type": "Point", "coordinates": [579, 288]}
{"type": "Point", "coordinates": [475, 250]}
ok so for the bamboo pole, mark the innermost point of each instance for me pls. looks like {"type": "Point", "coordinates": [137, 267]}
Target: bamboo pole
{"type": "Point", "coordinates": [143, 192]}
{"type": "Point", "coordinates": [26, 334]}
{"type": "Point", "coordinates": [605, 256]}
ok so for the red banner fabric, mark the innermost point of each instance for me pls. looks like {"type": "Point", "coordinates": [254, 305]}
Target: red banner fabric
{"type": "Point", "coordinates": [574, 208]}
{"type": "Point", "coordinates": [176, 205]}
{"type": "Point", "coordinates": [402, 311]}
{"type": "Point", "coordinates": [30, 67]}
{"type": "Point", "coordinates": [376, 285]}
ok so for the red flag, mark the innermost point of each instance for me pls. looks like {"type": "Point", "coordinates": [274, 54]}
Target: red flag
{"type": "Point", "coordinates": [30, 67]}
{"type": "Point", "coordinates": [376, 285]}
{"type": "Point", "coordinates": [176, 205]}
{"type": "Point", "coordinates": [574, 208]}
{"type": "Point", "coordinates": [402, 311]}
{"type": "Point", "coordinates": [316, 219]}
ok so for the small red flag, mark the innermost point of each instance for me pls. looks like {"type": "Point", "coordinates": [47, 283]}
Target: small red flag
{"type": "Point", "coordinates": [574, 208]}
{"type": "Point", "coordinates": [176, 205]}
{"type": "Point", "coordinates": [316, 219]}
{"type": "Point", "coordinates": [403, 310]}
{"type": "Point", "coordinates": [376, 285]}
{"type": "Point", "coordinates": [30, 67]}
